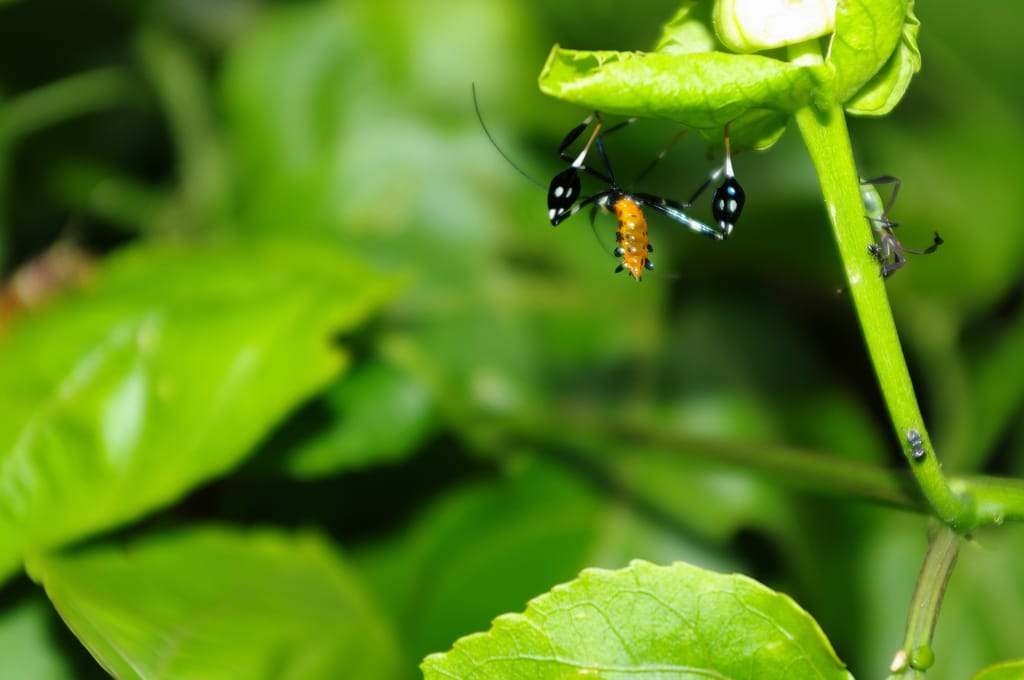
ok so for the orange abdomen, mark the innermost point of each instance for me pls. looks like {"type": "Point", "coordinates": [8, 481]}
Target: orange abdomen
{"type": "Point", "coordinates": [632, 237]}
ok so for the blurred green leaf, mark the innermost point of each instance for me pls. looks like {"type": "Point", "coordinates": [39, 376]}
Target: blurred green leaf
{"type": "Point", "coordinates": [482, 549]}
{"type": "Point", "coordinates": [1006, 670]}
{"type": "Point", "coordinates": [377, 414]}
{"type": "Point", "coordinates": [678, 620]}
{"type": "Point", "coordinates": [103, 192]}
{"type": "Point", "coordinates": [997, 392]}
{"type": "Point", "coordinates": [27, 643]}
{"type": "Point", "coordinates": [218, 603]}
{"type": "Point", "coordinates": [886, 88]}
{"type": "Point", "coordinates": [486, 547]}
{"type": "Point", "coordinates": [162, 375]}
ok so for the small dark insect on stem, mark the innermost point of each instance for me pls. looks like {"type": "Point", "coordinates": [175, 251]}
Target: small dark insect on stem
{"type": "Point", "coordinates": [889, 252]}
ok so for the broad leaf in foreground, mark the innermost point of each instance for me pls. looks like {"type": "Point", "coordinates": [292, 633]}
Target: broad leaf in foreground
{"type": "Point", "coordinates": [163, 374]}
{"type": "Point", "coordinates": [218, 603]}
{"type": "Point", "coordinates": [669, 622]}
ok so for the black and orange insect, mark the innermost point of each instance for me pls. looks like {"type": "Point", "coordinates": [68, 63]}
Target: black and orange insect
{"type": "Point", "coordinates": [632, 240]}
{"type": "Point", "coordinates": [888, 250]}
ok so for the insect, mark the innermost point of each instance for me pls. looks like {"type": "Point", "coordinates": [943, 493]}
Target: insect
{"type": "Point", "coordinates": [917, 450]}
{"type": "Point", "coordinates": [729, 197]}
{"type": "Point", "coordinates": [633, 247]}
{"type": "Point", "coordinates": [888, 251]}
{"type": "Point", "coordinates": [633, 244]}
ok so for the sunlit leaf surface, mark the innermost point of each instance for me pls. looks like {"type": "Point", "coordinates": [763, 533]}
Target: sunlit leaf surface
{"type": "Point", "coordinates": [700, 90]}
{"type": "Point", "coordinates": [867, 33]}
{"type": "Point", "coordinates": [677, 621]}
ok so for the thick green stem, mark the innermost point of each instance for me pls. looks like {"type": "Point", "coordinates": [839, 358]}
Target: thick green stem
{"type": "Point", "coordinates": [828, 142]}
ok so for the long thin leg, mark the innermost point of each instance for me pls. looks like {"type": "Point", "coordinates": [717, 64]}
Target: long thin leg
{"type": "Point", "coordinates": [700, 190]}
{"type": "Point", "coordinates": [565, 187]}
{"type": "Point", "coordinates": [675, 211]}
{"type": "Point", "coordinates": [558, 218]}
{"type": "Point", "coordinates": [729, 197]}
{"type": "Point", "coordinates": [725, 168]}
{"type": "Point", "coordinates": [664, 152]}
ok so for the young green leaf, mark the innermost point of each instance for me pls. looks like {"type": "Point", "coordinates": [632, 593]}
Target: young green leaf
{"type": "Point", "coordinates": [885, 89]}
{"type": "Point", "coordinates": [702, 90]}
{"type": "Point", "coordinates": [675, 621]}
{"type": "Point", "coordinates": [867, 33]}
{"type": "Point", "coordinates": [162, 375]}
{"type": "Point", "coordinates": [377, 414]}
{"type": "Point", "coordinates": [217, 603]}
{"type": "Point", "coordinates": [686, 32]}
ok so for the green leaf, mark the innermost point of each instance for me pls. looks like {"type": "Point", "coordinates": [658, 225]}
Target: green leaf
{"type": "Point", "coordinates": [163, 374]}
{"type": "Point", "coordinates": [488, 546]}
{"type": "Point", "coordinates": [686, 33]}
{"type": "Point", "coordinates": [887, 87]}
{"type": "Point", "coordinates": [217, 603]}
{"type": "Point", "coordinates": [866, 36]}
{"type": "Point", "coordinates": [1006, 670]}
{"type": "Point", "coordinates": [379, 413]}
{"type": "Point", "coordinates": [27, 641]}
{"type": "Point", "coordinates": [676, 621]}
{"type": "Point", "coordinates": [704, 90]}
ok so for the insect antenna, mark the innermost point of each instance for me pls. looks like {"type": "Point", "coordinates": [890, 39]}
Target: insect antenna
{"type": "Point", "coordinates": [490, 137]}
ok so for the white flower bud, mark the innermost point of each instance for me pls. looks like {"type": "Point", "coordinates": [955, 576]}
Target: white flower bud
{"type": "Point", "coordinates": [755, 25]}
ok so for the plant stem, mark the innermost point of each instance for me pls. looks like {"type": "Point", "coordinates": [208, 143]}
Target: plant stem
{"type": "Point", "coordinates": [817, 472]}
{"type": "Point", "coordinates": [916, 653]}
{"type": "Point", "coordinates": [828, 142]}
{"type": "Point", "coordinates": [996, 499]}
{"type": "Point", "coordinates": [66, 99]}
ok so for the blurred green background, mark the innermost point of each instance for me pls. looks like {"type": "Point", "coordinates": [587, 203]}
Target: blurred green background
{"type": "Point", "coordinates": [510, 411]}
